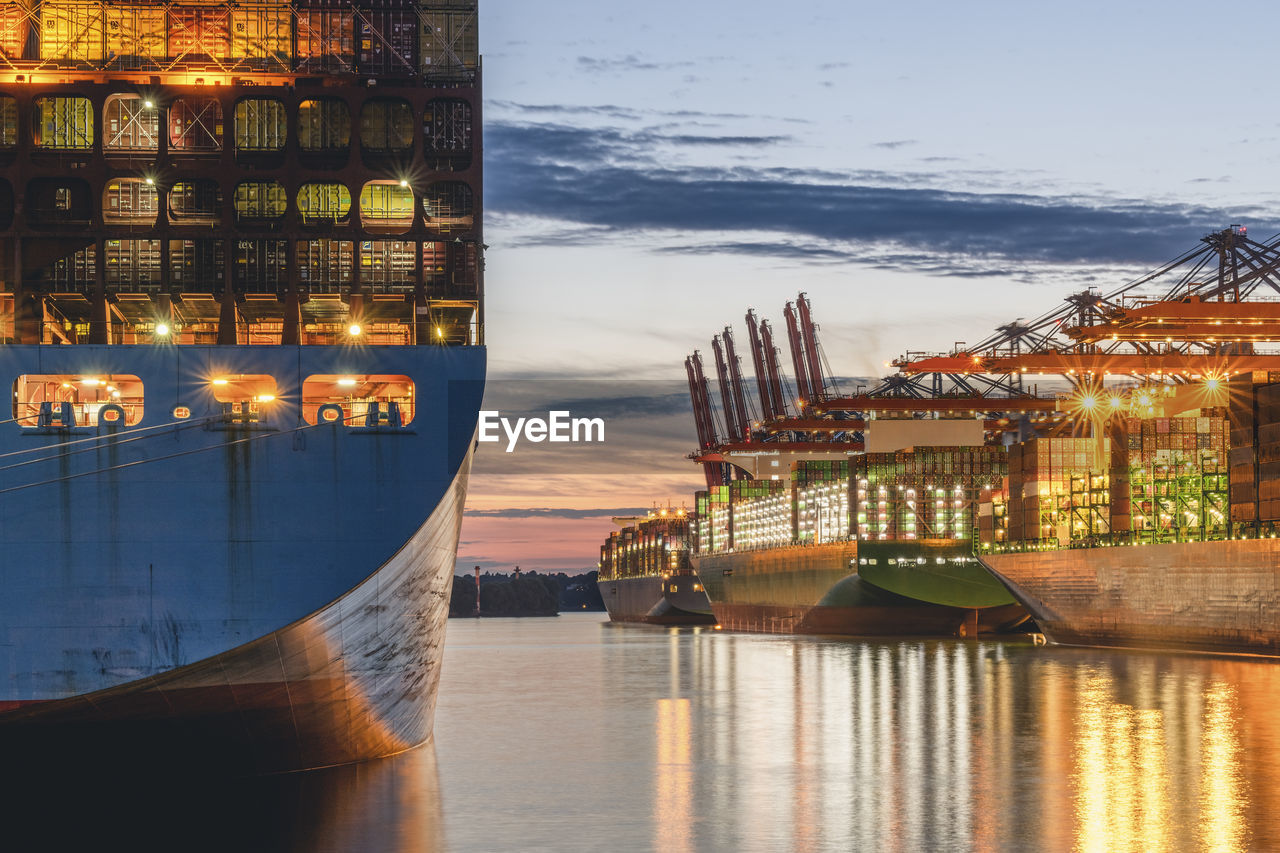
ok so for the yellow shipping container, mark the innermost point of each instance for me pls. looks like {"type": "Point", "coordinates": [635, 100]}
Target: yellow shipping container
{"type": "Point", "coordinates": [72, 32]}
{"type": "Point", "coordinates": [261, 33]}
{"type": "Point", "coordinates": [135, 31]}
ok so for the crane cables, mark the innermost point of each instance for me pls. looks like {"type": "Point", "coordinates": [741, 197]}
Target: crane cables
{"type": "Point", "coordinates": [180, 454]}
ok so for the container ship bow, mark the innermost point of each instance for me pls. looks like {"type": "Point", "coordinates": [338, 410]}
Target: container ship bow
{"type": "Point", "coordinates": [242, 326]}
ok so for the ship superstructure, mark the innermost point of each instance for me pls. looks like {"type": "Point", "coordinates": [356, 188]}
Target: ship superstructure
{"type": "Point", "coordinates": [242, 264]}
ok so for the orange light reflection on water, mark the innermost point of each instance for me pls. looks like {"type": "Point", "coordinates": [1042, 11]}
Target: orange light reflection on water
{"type": "Point", "coordinates": [1222, 790]}
{"type": "Point", "coordinates": [673, 796]}
{"type": "Point", "coordinates": [1124, 797]}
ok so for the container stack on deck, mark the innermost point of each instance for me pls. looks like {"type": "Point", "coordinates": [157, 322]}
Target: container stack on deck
{"type": "Point", "coordinates": [655, 545]}
{"type": "Point", "coordinates": [1151, 480]}
{"type": "Point", "coordinates": [820, 490]}
{"type": "Point", "coordinates": [1178, 477]}
{"type": "Point", "coordinates": [1254, 418]}
{"type": "Point", "coordinates": [915, 493]}
{"type": "Point", "coordinates": [924, 492]}
{"type": "Point", "coordinates": [762, 513]}
{"type": "Point", "coordinates": [1038, 500]}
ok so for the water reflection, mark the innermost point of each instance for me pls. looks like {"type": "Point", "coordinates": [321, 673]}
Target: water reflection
{"type": "Point", "coordinates": [735, 741]}
{"type": "Point", "coordinates": [569, 734]}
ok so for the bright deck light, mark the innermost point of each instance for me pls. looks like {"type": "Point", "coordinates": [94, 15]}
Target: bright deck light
{"type": "Point", "coordinates": [354, 330]}
{"type": "Point", "coordinates": [346, 381]}
{"type": "Point", "coordinates": [162, 330]}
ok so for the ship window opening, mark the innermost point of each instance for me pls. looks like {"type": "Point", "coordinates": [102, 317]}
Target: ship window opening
{"type": "Point", "coordinates": [386, 204]}
{"type": "Point", "coordinates": [129, 201]}
{"type": "Point", "coordinates": [195, 202]}
{"type": "Point", "coordinates": [181, 413]}
{"type": "Point", "coordinates": [355, 393]}
{"type": "Point", "coordinates": [320, 204]}
{"type": "Point", "coordinates": [58, 201]}
{"type": "Point", "coordinates": [449, 206]}
{"type": "Point", "coordinates": [386, 126]}
{"type": "Point", "coordinates": [195, 125]}
{"type": "Point", "coordinates": [8, 122]}
{"type": "Point", "coordinates": [86, 392]}
{"type": "Point", "coordinates": [324, 125]}
{"type": "Point", "coordinates": [260, 125]}
{"type": "Point", "coordinates": [63, 123]}
{"type": "Point", "coordinates": [250, 388]}
{"type": "Point", "coordinates": [447, 125]}
{"type": "Point", "coordinates": [129, 124]}
{"type": "Point", "coordinates": [260, 200]}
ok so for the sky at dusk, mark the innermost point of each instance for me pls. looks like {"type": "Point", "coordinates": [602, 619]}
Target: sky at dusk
{"type": "Point", "coordinates": [924, 172]}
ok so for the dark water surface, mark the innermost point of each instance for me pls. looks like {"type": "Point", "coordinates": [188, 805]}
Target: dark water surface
{"type": "Point", "coordinates": [574, 734]}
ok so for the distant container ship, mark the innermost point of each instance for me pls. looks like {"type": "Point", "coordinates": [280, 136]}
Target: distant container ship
{"type": "Point", "coordinates": [645, 574]}
{"type": "Point", "coordinates": [878, 543]}
{"type": "Point", "coordinates": [242, 330]}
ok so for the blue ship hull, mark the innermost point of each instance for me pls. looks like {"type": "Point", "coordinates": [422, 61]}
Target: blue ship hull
{"type": "Point", "coordinates": [275, 592]}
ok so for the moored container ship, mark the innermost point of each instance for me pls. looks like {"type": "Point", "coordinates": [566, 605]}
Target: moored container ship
{"type": "Point", "coordinates": [242, 325]}
{"type": "Point", "coordinates": [1170, 545]}
{"type": "Point", "coordinates": [880, 543]}
{"type": "Point", "coordinates": [645, 574]}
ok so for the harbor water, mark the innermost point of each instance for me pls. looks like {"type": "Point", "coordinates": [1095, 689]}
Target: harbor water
{"type": "Point", "coordinates": [574, 734]}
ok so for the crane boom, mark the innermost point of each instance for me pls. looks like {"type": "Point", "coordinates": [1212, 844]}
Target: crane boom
{"type": "Point", "coordinates": [736, 389]}
{"type": "Point", "coordinates": [809, 334]}
{"type": "Point", "coordinates": [758, 363]}
{"type": "Point", "coordinates": [731, 427]}
{"type": "Point", "coordinates": [777, 399]}
{"type": "Point", "coordinates": [797, 355]}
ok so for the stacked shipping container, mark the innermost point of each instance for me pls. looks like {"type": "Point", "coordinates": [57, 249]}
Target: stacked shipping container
{"type": "Point", "coordinates": [916, 493]}
{"type": "Point", "coordinates": [1038, 499]}
{"type": "Point", "coordinates": [924, 492]}
{"type": "Point", "coordinates": [387, 38]}
{"type": "Point", "coordinates": [1152, 480]}
{"type": "Point", "coordinates": [657, 545]}
{"type": "Point", "coordinates": [1177, 470]}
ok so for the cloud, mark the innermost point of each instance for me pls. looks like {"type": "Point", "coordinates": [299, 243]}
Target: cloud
{"type": "Point", "coordinates": [630, 62]}
{"type": "Point", "coordinates": [552, 512]}
{"type": "Point", "coordinates": [895, 144]}
{"type": "Point", "coordinates": [618, 182]}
